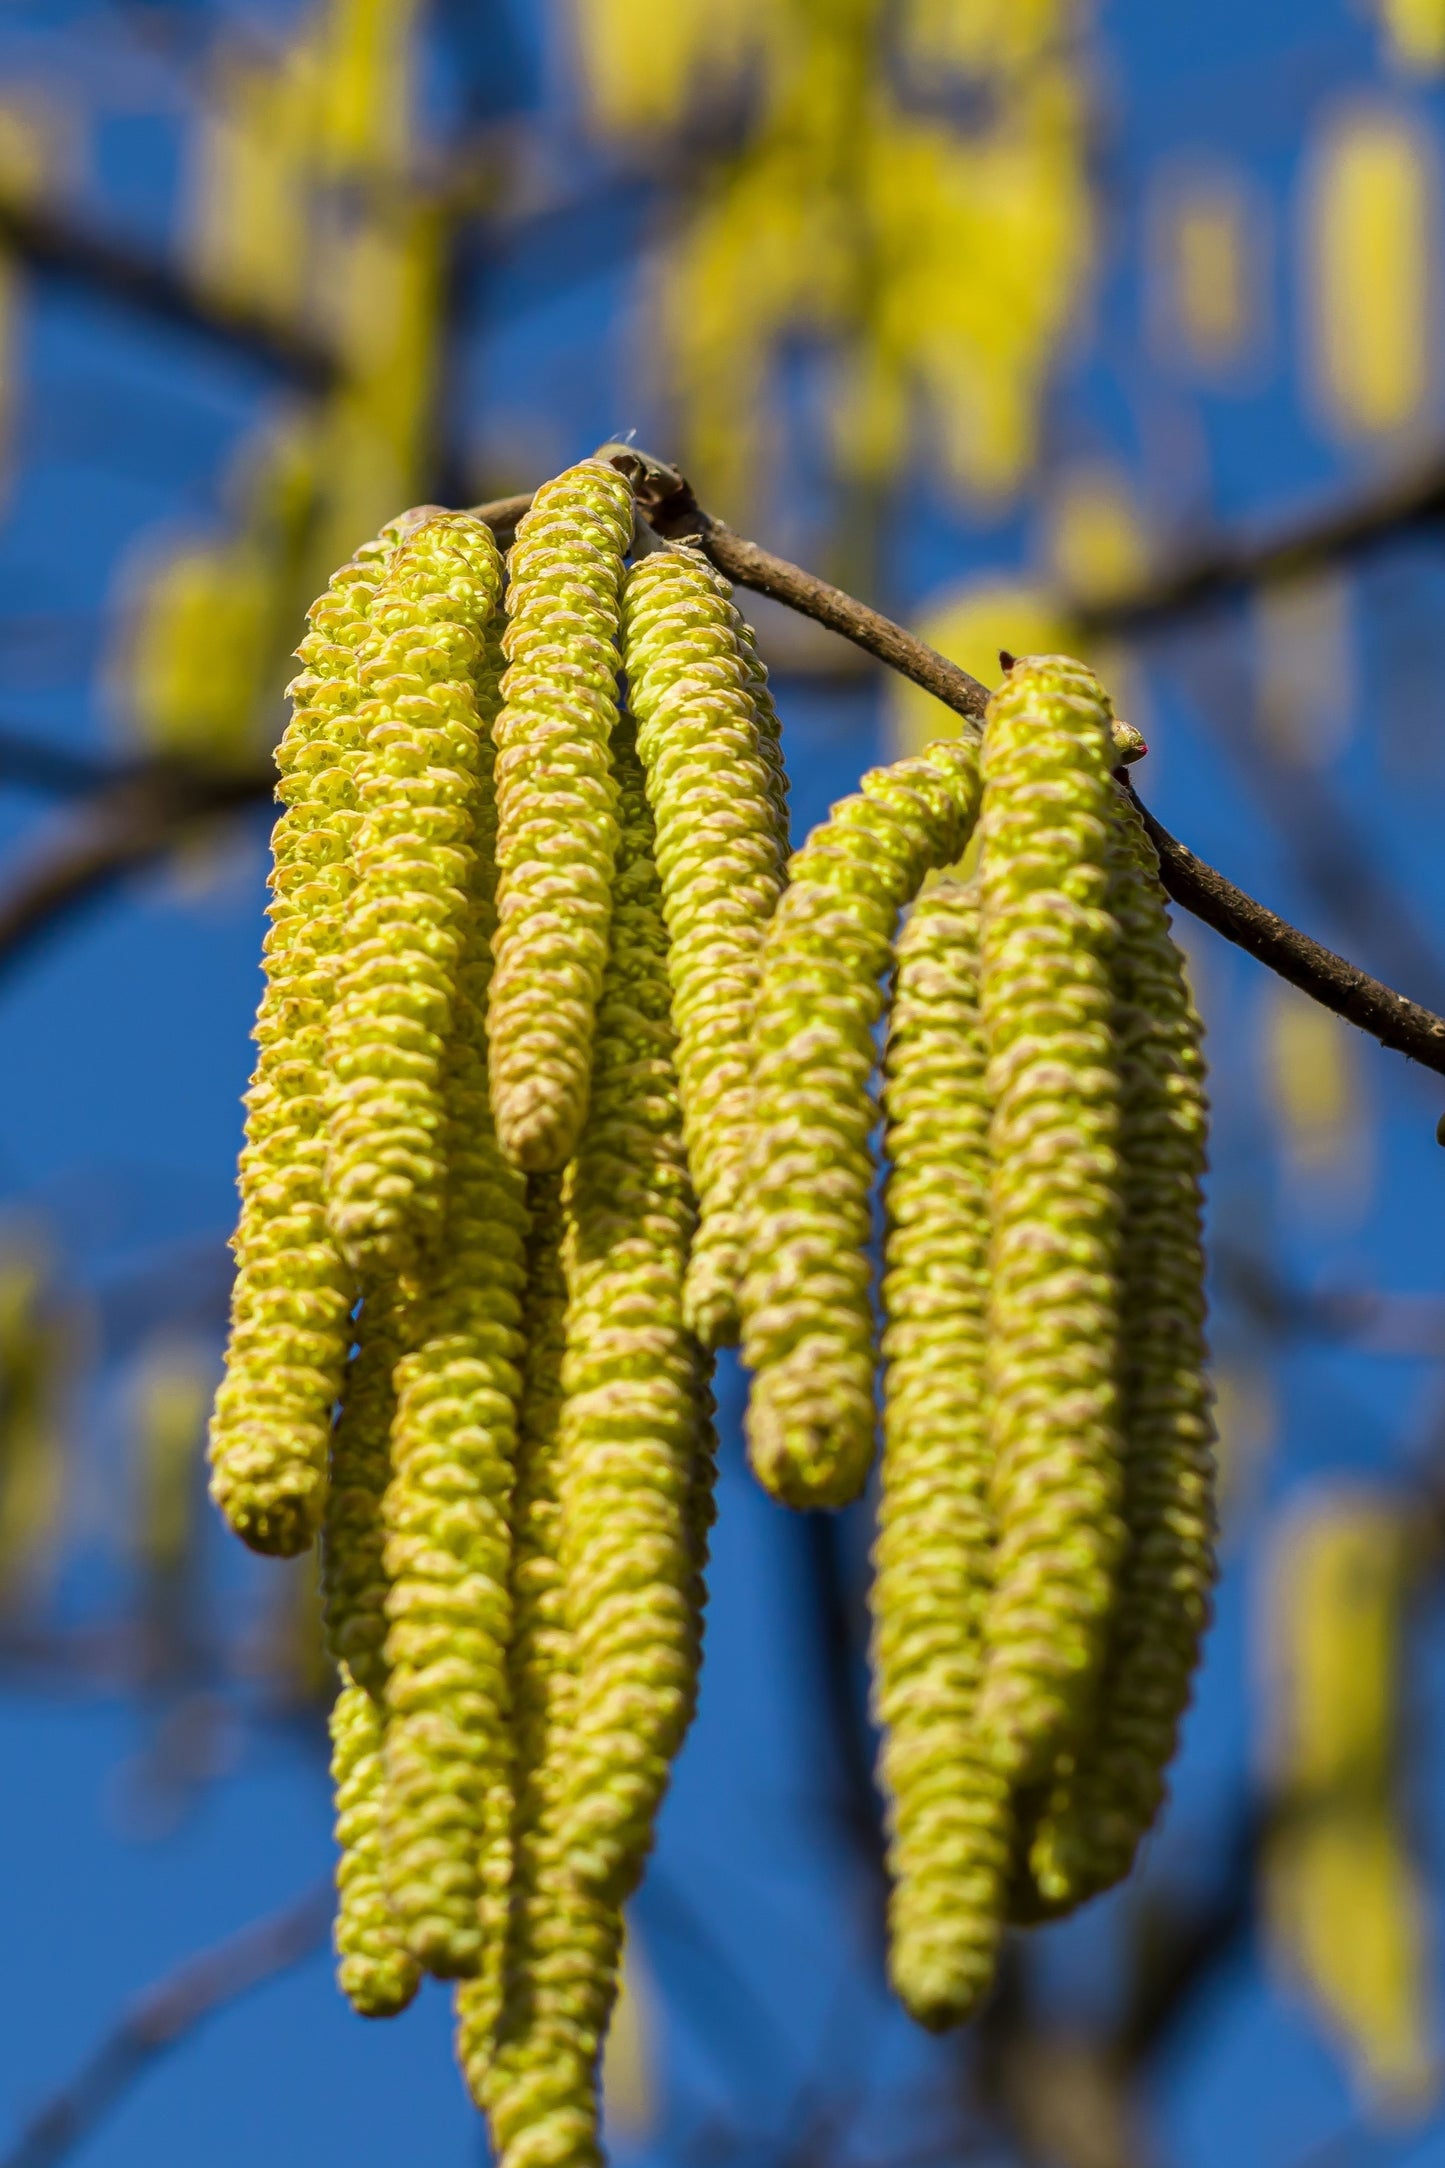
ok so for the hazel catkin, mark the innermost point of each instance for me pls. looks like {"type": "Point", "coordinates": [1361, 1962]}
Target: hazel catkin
{"type": "Point", "coordinates": [807, 1322]}
{"type": "Point", "coordinates": [556, 799]}
{"type": "Point", "coordinates": [529, 2029]}
{"type": "Point", "coordinates": [711, 787]}
{"type": "Point", "coordinates": [949, 1809]}
{"type": "Point", "coordinates": [291, 1307]}
{"type": "Point", "coordinates": [406, 916]}
{"type": "Point", "coordinates": [447, 1508]}
{"type": "Point", "coordinates": [1046, 1001]}
{"type": "Point", "coordinates": [1110, 1795]}
{"type": "Point", "coordinates": [635, 1421]}
{"type": "Point", "coordinates": [376, 1971]}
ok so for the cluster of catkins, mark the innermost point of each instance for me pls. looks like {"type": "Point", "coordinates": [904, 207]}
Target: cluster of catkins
{"type": "Point", "coordinates": [565, 1082]}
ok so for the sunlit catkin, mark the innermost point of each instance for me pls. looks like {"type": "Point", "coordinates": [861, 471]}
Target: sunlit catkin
{"type": "Point", "coordinates": [807, 1322]}
{"type": "Point", "coordinates": [291, 1308]}
{"type": "Point", "coordinates": [375, 1970]}
{"type": "Point", "coordinates": [1046, 1000]}
{"type": "Point", "coordinates": [1106, 1804]}
{"type": "Point", "coordinates": [635, 1421]}
{"type": "Point", "coordinates": [529, 2029]}
{"type": "Point", "coordinates": [711, 786]}
{"type": "Point", "coordinates": [407, 913]}
{"type": "Point", "coordinates": [557, 825]}
{"type": "Point", "coordinates": [448, 1507]}
{"type": "Point", "coordinates": [948, 1805]}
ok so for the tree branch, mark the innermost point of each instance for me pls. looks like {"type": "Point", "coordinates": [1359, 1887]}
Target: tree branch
{"type": "Point", "coordinates": [167, 2013]}
{"type": "Point", "coordinates": [673, 512]}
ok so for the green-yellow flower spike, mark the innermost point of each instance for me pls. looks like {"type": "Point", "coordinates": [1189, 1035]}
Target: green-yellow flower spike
{"type": "Point", "coordinates": [807, 1322]}
{"type": "Point", "coordinates": [635, 1421]}
{"type": "Point", "coordinates": [1104, 1807]}
{"type": "Point", "coordinates": [949, 1806]}
{"type": "Point", "coordinates": [557, 829]}
{"type": "Point", "coordinates": [711, 787]}
{"type": "Point", "coordinates": [1046, 1000]}
{"type": "Point", "coordinates": [770, 730]}
{"type": "Point", "coordinates": [407, 914]}
{"type": "Point", "coordinates": [448, 1507]}
{"type": "Point", "coordinates": [529, 2031]}
{"type": "Point", "coordinates": [377, 1973]}
{"type": "Point", "coordinates": [291, 1310]}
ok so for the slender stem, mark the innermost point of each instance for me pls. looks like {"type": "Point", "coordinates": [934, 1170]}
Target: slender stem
{"type": "Point", "coordinates": [165, 2014]}
{"type": "Point", "coordinates": [671, 509]}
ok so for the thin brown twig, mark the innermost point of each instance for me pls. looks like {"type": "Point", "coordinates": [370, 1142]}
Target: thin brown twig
{"type": "Point", "coordinates": [672, 510]}
{"type": "Point", "coordinates": [167, 2013]}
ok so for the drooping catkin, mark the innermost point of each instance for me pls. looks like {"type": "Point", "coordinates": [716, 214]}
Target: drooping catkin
{"type": "Point", "coordinates": [1046, 1000]}
{"type": "Point", "coordinates": [291, 1308]}
{"type": "Point", "coordinates": [635, 1422]}
{"type": "Point", "coordinates": [807, 1320]}
{"type": "Point", "coordinates": [711, 787]}
{"type": "Point", "coordinates": [557, 826]}
{"type": "Point", "coordinates": [529, 2032]}
{"type": "Point", "coordinates": [448, 1507]}
{"type": "Point", "coordinates": [1104, 1807]}
{"type": "Point", "coordinates": [407, 913]}
{"type": "Point", "coordinates": [376, 1971]}
{"type": "Point", "coordinates": [948, 1804]}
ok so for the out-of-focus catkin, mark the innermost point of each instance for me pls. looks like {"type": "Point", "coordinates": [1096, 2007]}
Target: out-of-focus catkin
{"type": "Point", "coordinates": [1109, 1799]}
{"type": "Point", "coordinates": [291, 1308]}
{"type": "Point", "coordinates": [807, 1321]}
{"type": "Point", "coordinates": [635, 1424]}
{"type": "Point", "coordinates": [949, 1806]}
{"type": "Point", "coordinates": [407, 915]}
{"type": "Point", "coordinates": [1046, 999]}
{"type": "Point", "coordinates": [712, 788]}
{"type": "Point", "coordinates": [556, 798]}
{"type": "Point", "coordinates": [448, 1507]}
{"type": "Point", "coordinates": [530, 2028]}
{"type": "Point", "coordinates": [376, 1971]}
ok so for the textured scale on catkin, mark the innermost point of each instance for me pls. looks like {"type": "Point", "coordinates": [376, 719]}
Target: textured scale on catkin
{"type": "Point", "coordinates": [1109, 1797]}
{"type": "Point", "coordinates": [1046, 999]}
{"type": "Point", "coordinates": [949, 1807]}
{"type": "Point", "coordinates": [807, 1320]}
{"type": "Point", "coordinates": [292, 1303]}
{"type": "Point", "coordinates": [556, 800]}
{"type": "Point", "coordinates": [711, 784]}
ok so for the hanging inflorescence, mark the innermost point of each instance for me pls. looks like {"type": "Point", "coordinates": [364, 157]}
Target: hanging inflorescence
{"type": "Point", "coordinates": [565, 1081]}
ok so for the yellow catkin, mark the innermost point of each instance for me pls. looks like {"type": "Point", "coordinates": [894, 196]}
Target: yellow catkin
{"type": "Point", "coordinates": [636, 1419]}
{"type": "Point", "coordinates": [448, 1507]}
{"type": "Point", "coordinates": [376, 1972]}
{"type": "Point", "coordinates": [529, 2031]}
{"type": "Point", "coordinates": [557, 831]}
{"type": "Point", "coordinates": [1046, 999]}
{"type": "Point", "coordinates": [807, 1321]}
{"type": "Point", "coordinates": [1107, 1803]}
{"type": "Point", "coordinates": [948, 1805]}
{"type": "Point", "coordinates": [291, 1308]}
{"type": "Point", "coordinates": [407, 913]}
{"type": "Point", "coordinates": [711, 786]}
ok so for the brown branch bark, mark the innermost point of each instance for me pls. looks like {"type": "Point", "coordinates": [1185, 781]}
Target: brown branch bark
{"type": "Point", "coordinates": [165, 2014]}
{"type": "Point", "coordinates": [671, 509]}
